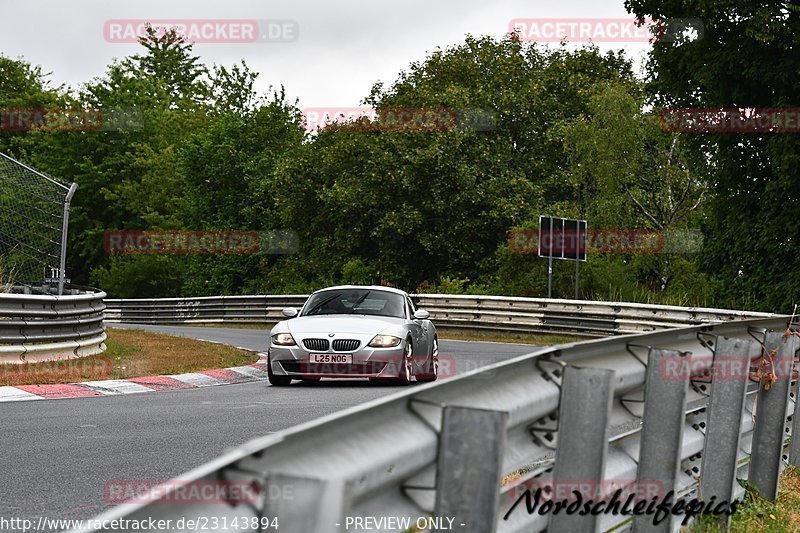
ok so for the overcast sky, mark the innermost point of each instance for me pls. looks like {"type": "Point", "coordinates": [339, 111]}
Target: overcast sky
{"type": "Point", "coordinates": [342, 49]}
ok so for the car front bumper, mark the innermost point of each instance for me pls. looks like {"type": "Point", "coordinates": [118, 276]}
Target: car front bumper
{"type": "Point", "coordinates": [367, 362]}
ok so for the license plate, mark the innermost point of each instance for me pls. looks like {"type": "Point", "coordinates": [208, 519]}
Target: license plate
{"type": "Point", "coordinates": [326, 358]}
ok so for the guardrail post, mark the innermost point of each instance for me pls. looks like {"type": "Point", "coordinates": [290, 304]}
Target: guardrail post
{"type": "Point", "coordinates": [772, 401]}
{"type": "Point", "coordinates": [470, 467]}
{"type": "Point", "coordinates": [584, 411]}
{"type": "Point", "coordinates": [730, 373]}
{"type": "Point", "coordinates": [666, 385]}
{"type": "Point", "coordinates": [306, 505]}
{"type": "Point", "coordinates": [794, 452]}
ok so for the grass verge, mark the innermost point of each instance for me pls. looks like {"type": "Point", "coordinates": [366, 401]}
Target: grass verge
{"type": "Point", "coordinates": [131, 353]}
{"type": "Point", "coordinates": [757, 515]}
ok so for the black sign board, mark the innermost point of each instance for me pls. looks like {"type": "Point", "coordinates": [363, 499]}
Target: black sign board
{"type": "Point", "coordinates": [562, 238]}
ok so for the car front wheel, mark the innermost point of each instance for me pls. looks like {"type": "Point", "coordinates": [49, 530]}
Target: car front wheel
{"type": "Point", "coordinates": [431, 372]}
{"type": "Point", "coordinates": [277, 381]}
{"type": "Point", "coordinates": [407, 364]}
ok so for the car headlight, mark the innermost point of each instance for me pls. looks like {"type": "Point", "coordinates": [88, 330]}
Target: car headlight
{"type": "Point", "coordinates": [283, 339]}
{"type": "Point", "coordinates": [385, 341]}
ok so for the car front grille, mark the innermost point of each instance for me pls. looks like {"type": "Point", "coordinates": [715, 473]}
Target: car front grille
{"type": "Point", "coordinates": [346, 345]}
{"type": "Point", "coordinates": [369, 367]}
{"type": "Point", "coordinates": [316, 345]}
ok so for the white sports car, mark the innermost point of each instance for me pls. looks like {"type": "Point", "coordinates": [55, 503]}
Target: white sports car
{"type": "Point", "coordinates": [354, 332]}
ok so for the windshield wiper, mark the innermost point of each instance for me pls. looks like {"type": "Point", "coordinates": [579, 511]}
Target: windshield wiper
{"type": "Point", "coordinates": [355, 305]}
{"type": "Point", "coordinates": [320, 304]}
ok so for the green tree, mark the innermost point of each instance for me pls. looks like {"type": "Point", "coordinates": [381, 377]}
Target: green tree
{"type": "Point", "coordinates": [23, 88]}
{"type": "Point", "coordinates": [228, 171]}
{"type": "Point", "coordinates": [127, 171]}
{"type": "Point", "coordinates": [743, 60]}
{"type": "Point", "coordinates": [422, 205]}
{"type": "Point", "coordinates": [633, 175]}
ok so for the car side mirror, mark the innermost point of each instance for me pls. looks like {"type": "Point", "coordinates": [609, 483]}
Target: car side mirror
{"type": "Point", "coordinates": [421, 314]}
{"type": "Point", "coordinates": [289, 312]}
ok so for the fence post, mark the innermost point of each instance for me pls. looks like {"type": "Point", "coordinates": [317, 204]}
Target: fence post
{"type": "Point", "coordinates": [584, 411]}
{"type": "Point", "coordinates": [770, 429]}
{"type": "Point", "coordinates": [730, 374]}
{"type": "Point", "coordinates": [62, 263]}
{"type": "Point", "coordinates": [662, 429]}
{"type": "Point", "coordinates": [470, 467]}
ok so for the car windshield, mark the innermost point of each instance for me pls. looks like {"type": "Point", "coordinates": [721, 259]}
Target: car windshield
{"type": "Point", "coordinates": [355, 302]}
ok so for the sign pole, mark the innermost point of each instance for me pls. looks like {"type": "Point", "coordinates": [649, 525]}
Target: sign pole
{"type": "Point", "coordinates": [550, 264]}
{"type": "Point", "coordinates": [577, 262]}
{"type": "Point", "coordinates": [578, 249]}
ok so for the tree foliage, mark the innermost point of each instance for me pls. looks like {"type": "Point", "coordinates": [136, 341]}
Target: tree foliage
{"type": "Point", "coordinates": [745, 59]}
{"type": "Point", "coordinates": [418, 205]}
{"type": "Point", "coordinates": [182, 147]}
{"type": "Point", "coordinates": [528, 130]}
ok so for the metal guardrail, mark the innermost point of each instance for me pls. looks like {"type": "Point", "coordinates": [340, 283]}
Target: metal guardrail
{"type": "Point", "coordinates": [211, 309]}
{"type": "Point", "coordinates": [493, 313]}
{"type": "Point", "coordinates": [40, 327]}
{"type": "Point", "coordinates": [614, 410]}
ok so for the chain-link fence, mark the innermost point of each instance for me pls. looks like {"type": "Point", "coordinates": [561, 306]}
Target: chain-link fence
{"type": "Point", "coordinates": [34, 211]}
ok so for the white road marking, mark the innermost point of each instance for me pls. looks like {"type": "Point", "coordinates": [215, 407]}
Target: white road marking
{"type": "Point", "coordinates": [198, 380]}
{"type": "Point", "coordinates": [250, 372]}
{"type": "Point", "coordinates": [112, 387]}
{"type": "Point", "coordinates": [116, 386]}
{"type": "Point", "coordinates": [13, 394]}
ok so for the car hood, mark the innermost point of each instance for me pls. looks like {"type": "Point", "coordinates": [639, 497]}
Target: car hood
{"type": "Point", "coordinates": [353, 324]}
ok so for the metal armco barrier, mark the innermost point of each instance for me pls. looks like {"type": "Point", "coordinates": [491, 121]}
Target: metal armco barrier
{"type": "Point", "coordinates": [490, 313]}
{"type": "Point", "coordinates": [35, 328]}
{"type": "Point", "coordinates": [615, 412]}
{"type": "Point", "coordinates": [231, 309]}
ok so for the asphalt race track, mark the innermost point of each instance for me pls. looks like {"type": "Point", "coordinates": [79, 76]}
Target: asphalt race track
{"type": "Point", "coordinates": [59, 454]}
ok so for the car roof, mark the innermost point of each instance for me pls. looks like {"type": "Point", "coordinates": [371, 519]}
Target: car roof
{"type": "Point", "coordinates": [370, 287]}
